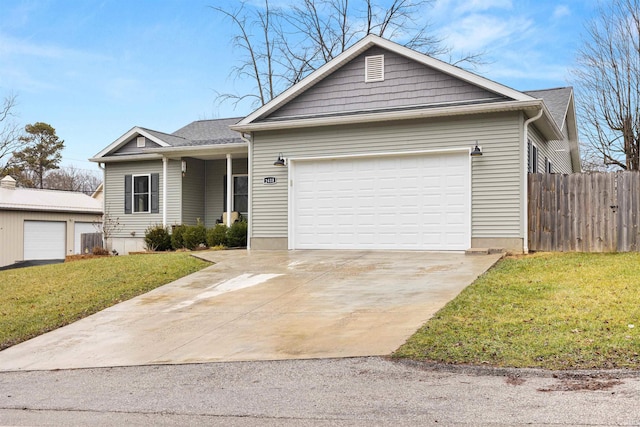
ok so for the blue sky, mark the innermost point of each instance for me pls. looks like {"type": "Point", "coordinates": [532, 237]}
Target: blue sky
{"type": "Point", "coordinates": [94, 69]}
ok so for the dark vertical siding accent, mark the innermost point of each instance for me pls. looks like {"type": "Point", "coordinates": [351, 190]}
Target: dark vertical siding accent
{"type": "Point", "coordinates": [127, 194]}
{"type": "Point", "coordinates": [155, 194]}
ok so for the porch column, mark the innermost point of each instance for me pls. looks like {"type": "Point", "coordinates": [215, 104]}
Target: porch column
{"type": "Point", "coordinates": [229, 188]}
{"type": "Point", "coordinates": [165, 161]}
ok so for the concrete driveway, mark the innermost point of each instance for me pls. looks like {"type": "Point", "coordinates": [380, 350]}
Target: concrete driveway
{"type": "Point", "coordinates": [263, 305]}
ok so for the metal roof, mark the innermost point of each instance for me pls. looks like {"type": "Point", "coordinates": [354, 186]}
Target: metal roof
{"type": "Point", "coordinates": [31, 199]}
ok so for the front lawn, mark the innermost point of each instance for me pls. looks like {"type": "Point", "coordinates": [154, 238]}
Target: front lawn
{"type": "Point", "coordinates": [35, 300]}
{"type": "Point", "coordinates": [556, 311]}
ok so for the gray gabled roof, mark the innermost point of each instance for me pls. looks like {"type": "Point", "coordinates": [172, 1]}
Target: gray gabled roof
{"type": "Point", "coordinates": [557, 101]}
{"type": "Point", "coordinates": [171, 140]}
{"type": "Point", "coordinates": [205, 132]}
{"type": "Point", "coordinates": [200, 133]}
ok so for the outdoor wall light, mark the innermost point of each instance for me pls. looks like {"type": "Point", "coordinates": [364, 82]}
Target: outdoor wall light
{"type": "Point", "coordinates": [281, 161]}
{"type": "Point", "coordinates": [476, 152]}
{"type": "Point", "coordinates": [184, 167]}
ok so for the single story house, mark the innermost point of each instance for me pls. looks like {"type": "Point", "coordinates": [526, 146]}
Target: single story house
{"type": "Point", "coordinates": [43, 224]}
{"type": "Point", "coordinates": [381, 148]}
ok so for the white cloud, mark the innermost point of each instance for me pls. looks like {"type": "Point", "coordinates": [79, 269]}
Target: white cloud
{"type": "Point", "coordinates": [12, 46]}
{"type": "Point", "coordinates": [561, 11]}
{"type": "Point", "coordinates": [467, 6]}
{"type": "Point", "coordinates": [480, 32]}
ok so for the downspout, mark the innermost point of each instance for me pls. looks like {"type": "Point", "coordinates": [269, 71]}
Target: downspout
{"type": "Point", "coordinates": [165, 161]}
{"type": "Point", "coordinates": [104, 201]}
{"type": "Point", "coordinates": [525, 183]}
{"type": "Point", "coordinates": [249, 142]}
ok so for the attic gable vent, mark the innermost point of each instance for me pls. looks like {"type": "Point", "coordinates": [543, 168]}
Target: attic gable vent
{"type": "Point", "coordinates": [374, 68]}
{"type": "Point", "coordinates": [141, 141]}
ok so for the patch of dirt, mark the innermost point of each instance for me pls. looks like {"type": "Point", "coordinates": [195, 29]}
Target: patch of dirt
{"type": "Point", "coordinates": [514, 380]}
{"type": "Point", "coordinates": [582, 384]}
{"type": "Point", "coordinates": [70, 258]}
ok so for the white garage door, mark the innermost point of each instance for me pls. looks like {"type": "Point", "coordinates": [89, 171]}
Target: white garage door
{"type": "Point", "coordinates": [418, 202]}
{"type": "Point", "coordinates": [79, 229]}
{"type": "Point", "coordinates": [44, 240]}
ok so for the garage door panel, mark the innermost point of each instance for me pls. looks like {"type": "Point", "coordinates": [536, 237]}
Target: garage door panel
{"type": "Point", "coordinates": [45, 240]}
{"type": "Point", "coordinates": [417, 202]}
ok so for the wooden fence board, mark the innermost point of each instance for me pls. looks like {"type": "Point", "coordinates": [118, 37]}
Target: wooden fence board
{"type": "Point", "coordinates": [597, 212]}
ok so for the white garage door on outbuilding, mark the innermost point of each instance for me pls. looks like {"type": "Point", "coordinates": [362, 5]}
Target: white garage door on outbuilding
{"type": "Point", "coordinates": [45, 240]}
{"type": "Point", "coordinates": [419, 201]}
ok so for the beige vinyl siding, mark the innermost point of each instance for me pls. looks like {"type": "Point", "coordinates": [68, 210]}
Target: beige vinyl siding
{"type": "Point", "coordinates": [556, 151]}
{"type": "Point", "coordinates": [496, 175]}
{"type": "Point", "coordinates": [12, 231]}
{"type": "Point", "coordinates": [193, 192]}
{"type": "Point", "coordinates": [406, 82]}
{"type": "Point", "coordinates": [216, 170]}
{"type": "Point", "coordinates": [139, 222]}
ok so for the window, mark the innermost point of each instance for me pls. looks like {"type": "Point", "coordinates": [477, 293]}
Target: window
{"type": "Point", "coordinates": [532, 157]}
{"type": "Point", "coordinates": [241, 194]}
{"type": "Point", "coordinates": [374, 68]}
{"type": "Point", "coordinates": [141, 195]}
{"type": "Point", "coordinates": [548, 168]}
{"type": "Point", "coordinates": [240, 191]}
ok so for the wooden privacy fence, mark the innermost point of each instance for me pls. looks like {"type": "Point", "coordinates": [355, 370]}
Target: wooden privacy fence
{"type": "Point", "coordinates": [594, 212]}
{"type": "Point", "coordinates": [90, 241]}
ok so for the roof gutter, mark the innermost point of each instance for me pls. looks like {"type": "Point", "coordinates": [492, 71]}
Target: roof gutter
{"type": "Point", "coordinates": [525, 184]}
{"type": "Point", "coordinates": [380, 116]}
{"type": "Point", "coordinates": [126, 158]}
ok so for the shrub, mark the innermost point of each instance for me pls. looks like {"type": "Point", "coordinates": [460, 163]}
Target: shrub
{"type": "Point", "coordinates": [217, 236]}
{"type": "Point", "coordinates": [177, 241]}
{"type": "Point", "coordinates": [237, 234]}
{"type": "Point", "coordinates": [157, 238]}
{"type": "Point", "coordinates": [97, 250]}
{"type": "Point", "coordinates": [194, 236]}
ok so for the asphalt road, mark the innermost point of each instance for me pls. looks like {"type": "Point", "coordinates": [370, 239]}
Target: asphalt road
{"type": "Point", "coordinates": [327, 392]}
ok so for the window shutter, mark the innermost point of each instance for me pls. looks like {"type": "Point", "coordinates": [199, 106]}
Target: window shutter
{"type": "Point", "coordinates": [155, 198]}
{"type": "Point", "coordinates": [127, 193]}
{"type": "Point", "coordinates": [224, 193]}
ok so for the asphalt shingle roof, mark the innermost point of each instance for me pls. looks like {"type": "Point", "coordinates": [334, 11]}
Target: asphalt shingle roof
{"type": "Point", "coordinates": [557, 101]}
{"type": "Point", "coordinates": [172, 140]}
{"type": "Point", "coordinates": [207, 132]}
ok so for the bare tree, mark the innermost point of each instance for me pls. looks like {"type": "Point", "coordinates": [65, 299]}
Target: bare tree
{"type": "Point", "coordinates": [607, 81]}
{"type": "Point", "coordinates": [70, 178]}
{"type": "Point", "coordinates": [109, 226]}
{"type": "Point", "coordinates": [280, 46]}
{"type": "Point", "coordinates": [9, 132]}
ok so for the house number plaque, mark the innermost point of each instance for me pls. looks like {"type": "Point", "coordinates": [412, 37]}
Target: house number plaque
{"type": "Point", "coordinates": [270, 180]}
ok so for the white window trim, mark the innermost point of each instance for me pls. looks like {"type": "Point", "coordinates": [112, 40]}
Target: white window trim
{"type": "Point", "coordinates": [141, 142]}
{"type": "Point", "coordinates": [133, 193]}
{"type": "Point", "coordinates": [532, 149]}
{"type": "Point", "coordinates": [233, 192]}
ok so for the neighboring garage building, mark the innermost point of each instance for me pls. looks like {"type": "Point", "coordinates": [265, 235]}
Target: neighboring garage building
{"type": "Point", "coordinates": [43, 224]}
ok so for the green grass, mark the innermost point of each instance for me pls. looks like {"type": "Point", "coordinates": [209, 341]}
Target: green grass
{"type": "Point", "coordinates": [555, 311]}
{"type": "Point", "coordinates": [35, 300]}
